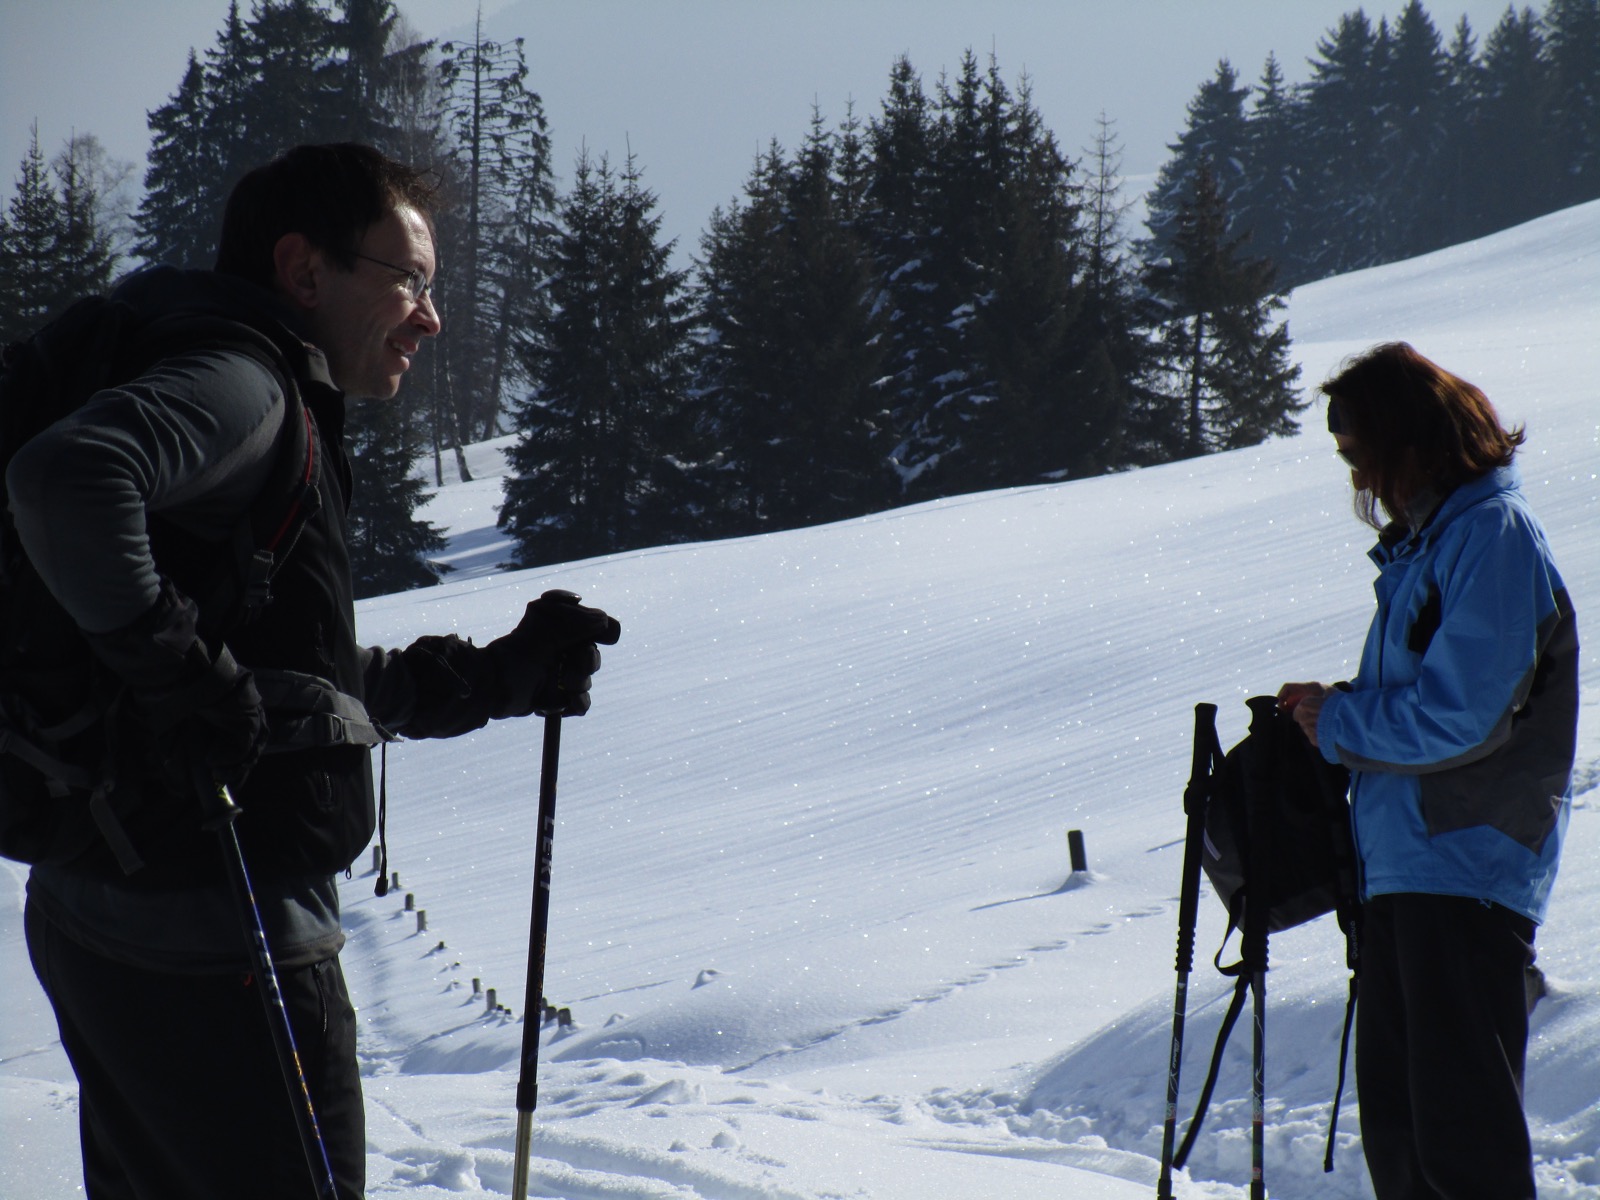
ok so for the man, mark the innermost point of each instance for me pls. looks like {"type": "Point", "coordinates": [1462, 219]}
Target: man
{"type": "Point", "coordinates": [129, 509]}
{"type": "Point", "coordinates": [1459, 729]}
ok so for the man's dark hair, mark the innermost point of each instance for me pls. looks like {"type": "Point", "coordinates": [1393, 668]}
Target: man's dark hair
{"type": "Point", "coordinates": [331, 194]}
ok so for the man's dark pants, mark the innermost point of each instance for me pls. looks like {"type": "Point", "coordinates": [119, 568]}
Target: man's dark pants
{"type": "Point", "coordinates": [180, 1092]}
{"type": "Point", "coordinates": [1441, 1042]}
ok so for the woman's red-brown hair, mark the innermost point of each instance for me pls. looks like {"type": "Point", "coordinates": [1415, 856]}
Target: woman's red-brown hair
{"type": "Point", "coordinates": [1418, 428]}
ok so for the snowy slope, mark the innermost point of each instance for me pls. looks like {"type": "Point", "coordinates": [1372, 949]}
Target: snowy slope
{"type": "Point", "coordinates": [812, 908]}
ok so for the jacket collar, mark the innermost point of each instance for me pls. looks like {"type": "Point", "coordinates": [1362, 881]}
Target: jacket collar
{"type": "Point", "coordinates": [1400, 539]}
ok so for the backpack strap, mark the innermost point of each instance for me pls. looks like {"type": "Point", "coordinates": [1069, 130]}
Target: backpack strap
{"type": "Point", "coordinates": [60, 776]}
{"type": "Point", "coordinates": [267, 533]}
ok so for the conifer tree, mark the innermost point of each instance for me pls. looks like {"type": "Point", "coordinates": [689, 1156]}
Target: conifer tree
{"type": "Point", "coordinates": [1216, 136]}
{"type": "Point", "coordinates": [179, 218]}
{"type": "Point", "coordinates": [282, 76]}
{"type": "Point", "coordinates": [794, 346]}
{"type": "Point", "coordinates": [1413, 82]}
{"type": "Point", "coordinates": [1270, 203]}
{"type": "Point", "coordinates": [294, 93]}
{"type": "Point", "coordinates": [1022, 391]}
{"type": "Point", "coordinates": [84, 255]}
{"type": "Point", "coordinates": [1572, 49]}
{"type": "Point", "coordinates": [899, 224]}
{"type": "Point", "coordinates": [966, 171]}
{"type": "Point", "coordinates": [1343, 135]}
{"type": "Point", "coordinates": [1223, 364]}
{"type": "Point", "coordinates": [31, 250]}
{"type": "Point", "coordinates": [601, 460]}
{"type": "Point", "coordinates": [1118, 350]}
{"type": "Point", "coordinates": [1513, 132]}
{"type": "Point", "coordinates": [494, 240]}
{"type": "Point", "coordinates": [1458, 166]}
{"type": "Point", "coordinates": [388, 542]}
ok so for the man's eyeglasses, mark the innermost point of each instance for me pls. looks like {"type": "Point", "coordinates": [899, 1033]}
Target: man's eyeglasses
{"type": "Point", "coordinates": [417, 285]}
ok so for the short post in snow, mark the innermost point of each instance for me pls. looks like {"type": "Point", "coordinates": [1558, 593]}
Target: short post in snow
{"type": "Point", "coordinates": [422, 920]}
{"type": "Point", "coordinates": [411, 901]}
{"type": "Point", "coordinates": [1080, 860]}
{"type": "Point", "coordinates": [489, 1004]}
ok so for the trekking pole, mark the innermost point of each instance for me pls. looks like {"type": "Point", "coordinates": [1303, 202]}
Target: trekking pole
{"type": "Point", "coordinates": [1257, 908]}
{"type": "Point", "coordinates": [1195, 797]}
{"type": "Point", "coordinates": [533, 1001]}
{"type": "Point", "coordinates": [538, 929]}
{"type": "Point", "coordinates": [221, 815]}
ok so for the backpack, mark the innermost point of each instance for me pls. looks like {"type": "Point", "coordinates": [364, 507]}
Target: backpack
{"type": "Point", "coordinates": [1311, 867]}
{"type": "Point", "coordinates": [1269, 823]}
{"type": "Point", "coordinates": [67, 759]}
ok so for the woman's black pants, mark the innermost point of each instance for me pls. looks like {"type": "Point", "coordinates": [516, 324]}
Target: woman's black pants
{"type": "Point", "coordinates": [1441, 1042]}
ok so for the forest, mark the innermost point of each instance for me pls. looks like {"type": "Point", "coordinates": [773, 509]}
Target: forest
{"type": "Point", "coordinates": [923, 300]}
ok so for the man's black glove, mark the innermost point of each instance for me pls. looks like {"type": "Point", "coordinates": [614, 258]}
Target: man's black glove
{"type": "Point", "coordinates": [544, 665]}
{"type": "Point", "coordinates": [201, 707]}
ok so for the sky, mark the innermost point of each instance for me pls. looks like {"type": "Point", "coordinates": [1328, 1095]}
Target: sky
{"type": "Point", "coordinates": [697, 88]}
{"type": "Point", "coordinates": [812, 905]}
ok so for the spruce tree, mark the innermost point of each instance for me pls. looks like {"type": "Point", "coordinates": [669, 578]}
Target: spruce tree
{"type": "Point", "coordinates": [1026, 387]}
{"type": "Point", "coordinates": [1413, 81]}
{"type": "Point", "coordinates": [1216, 136]}
{"type": "Point", "coordinates": [1342, 148]}
{"type": "Point", "coordinates": [388, 543]}
{"type": "Point", "coordinates": [1513, 132]}
{"type": "Point", "coordinates": [899, 225]}
{"type": "Point", "coordinates": [1222, 362]}
{"type": "Point", "coordinates": [285, 75]}
{"type": "Point", "coordinates": [967, 167]}
{"type": "Point", "coordinates": [1572, 48]}
{"type": "Point", "coordinates": [33, 265]}
{"type": "Point", "coordinates": [794, 346]}
{"type": "Point", "coordinates": [494, 240]}
{"type": "Point", "coordinates": [84, 255]}
{"type": "Point", "coordinates": [1118, 350]}
{"type": "Point", "coordinates": [601, 461]}
{"type": "Point", "coordinates": [1458, 166]}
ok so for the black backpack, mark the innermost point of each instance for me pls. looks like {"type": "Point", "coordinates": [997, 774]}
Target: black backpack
{"type": "Point", "coordinates": [1269, 822]}
{"type": "Point", "coordinates": [66, 762]}
{"type": "Point", "coordinates": [1275, 786]}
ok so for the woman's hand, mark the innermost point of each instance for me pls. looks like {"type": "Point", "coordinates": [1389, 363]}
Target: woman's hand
{"type": "Point", "coordinates": [1303, 701]}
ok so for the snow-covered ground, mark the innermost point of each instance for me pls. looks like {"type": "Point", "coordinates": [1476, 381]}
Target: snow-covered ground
{"type": "Point", "coordinates": [812, 905]}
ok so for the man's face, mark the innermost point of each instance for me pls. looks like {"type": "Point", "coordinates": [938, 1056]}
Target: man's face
{"type": "Point", "coordinates": [365, 320]}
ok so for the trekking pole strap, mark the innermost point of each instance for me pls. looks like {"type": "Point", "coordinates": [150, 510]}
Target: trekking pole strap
{"type": "Point", "coordinates": [1338, 1091]}
{"type": "Point", "coordinates": [1236, 1006]}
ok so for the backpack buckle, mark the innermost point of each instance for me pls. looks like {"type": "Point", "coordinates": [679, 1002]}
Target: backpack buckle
{"type": "Point", "coordinates": [258, 580]}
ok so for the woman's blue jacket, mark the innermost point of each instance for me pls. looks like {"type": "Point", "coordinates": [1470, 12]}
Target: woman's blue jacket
{"type": "Point", "coordinates": [1461, 724]}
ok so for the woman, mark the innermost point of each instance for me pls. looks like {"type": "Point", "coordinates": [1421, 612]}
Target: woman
{"type": "Point", "coordinates": [1459, 729]}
